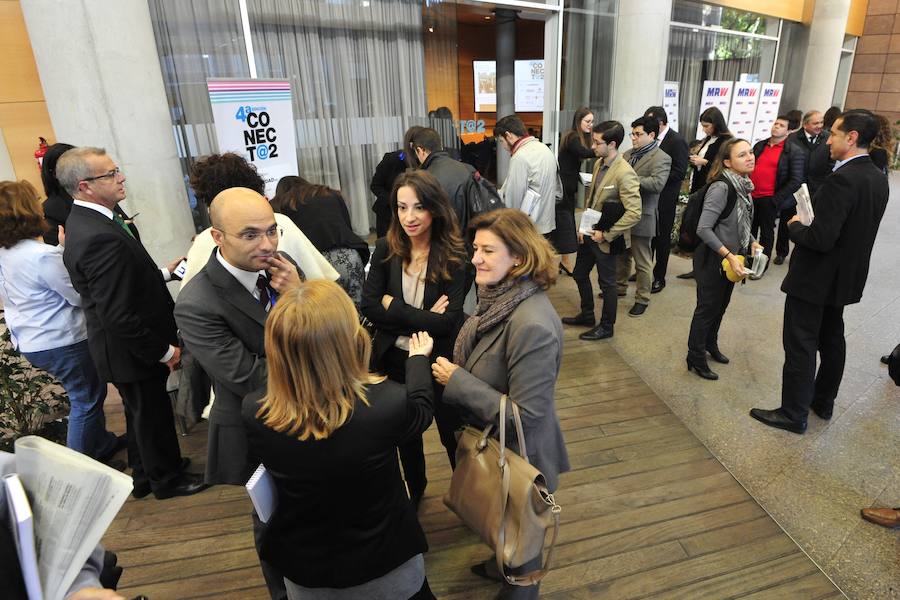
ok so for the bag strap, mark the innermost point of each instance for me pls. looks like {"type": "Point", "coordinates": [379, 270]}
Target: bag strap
{"type": "Point", "coordinates": [534, 576]}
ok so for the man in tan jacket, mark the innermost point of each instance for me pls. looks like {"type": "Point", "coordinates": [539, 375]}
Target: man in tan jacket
{"type": "Point", "coordinates": [615, 188]}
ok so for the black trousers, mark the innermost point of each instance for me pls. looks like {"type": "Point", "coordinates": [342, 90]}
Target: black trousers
{"type": "Point", "coordinates": [782, 247]}
{"type": "Point", "coordinates": [810, 329]}
{"type": "Point", "coordinates": [382, 219]}
{"type": "Point", "coordinates": [412, 453]}
{"type": "Point", "coordinates": [590, 255]}
{"type": "Point", "coordinates": [764, 215]}
{"type": "Point", "coordinates": [153, 452]}
{"type": "Point", "coordinates": [713, 296]}
{"type": "Point", "coordinates": [662, 243]}
{"type": "Point", "coordinates": [274, 578]}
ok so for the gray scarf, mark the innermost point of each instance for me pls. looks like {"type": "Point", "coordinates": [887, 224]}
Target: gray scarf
{"type": "Point", "coordinates": [637, 155]}
{"type": "Point", "coordinates": [744, 205]}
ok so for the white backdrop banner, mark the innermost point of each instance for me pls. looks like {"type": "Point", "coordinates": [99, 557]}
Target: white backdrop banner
{"type": "Point", "coordinates": [742, 117]}
{"type": "Point", "coordinates": [670, 102]}
{"type": "Point", "coordinates": [718, 94]}
{"type": "Point", "coordinates": [254, 118]}
{"type": "Point", "coordinates": [766, 113]}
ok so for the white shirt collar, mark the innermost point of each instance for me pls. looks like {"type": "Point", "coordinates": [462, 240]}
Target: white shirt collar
{"type": "Point", "coordinates": [840, 163]}
{"type": "Point", "coordinates": [662, 135]}
{"type": "Point", "coordinates": [94, 206]}
{"type": "Point", "coordinates": [247, 279]}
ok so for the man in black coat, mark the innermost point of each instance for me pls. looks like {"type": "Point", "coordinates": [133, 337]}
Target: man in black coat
{"type": "Point", "coordinates": [131, 330]}
{"type": "Point", "coordinates": [778, 174]}
{"type": "Point", "coordinates": [813, 140]}
{"type": "Point", "coordinates": [672, 143]}
{"type": "Point", "coordinates": [827, 271]}
{"type": "Point", "coordinates": [454, 176]}
{"type": "Point", "coordinates": [391, 166]}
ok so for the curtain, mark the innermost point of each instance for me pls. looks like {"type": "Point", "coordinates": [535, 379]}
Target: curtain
{"type": "Point", "coordinates": [357, 73]}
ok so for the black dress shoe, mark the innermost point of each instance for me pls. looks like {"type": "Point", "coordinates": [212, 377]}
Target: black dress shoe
{"type": "Point", "coordinates": [121, 444]}
{"type": "Point", "coordinates": [718, 356]}
{"type": "Point", "coordinates": [633, 277]}
{"type": "Point", "coordinates": [657, 286]}
{"type": "Point", "coordinates": [822, 411]}
{"type": "Point", "coordinates": [585, 319]}
{"type": "Point", "coordinates": [688, 275]}
{"type": "Point", "coordinates": [702, 370]}
{"type": "Point", "coordinates": [777, 419]}
{"type": "Point", "coordinates": [600, 332]}
{"type": "Point", "coordinates": [778, 260]}
{"type": "Point", "coordinates": [637, 310]}
{"type": "Point", "coordinates": [187, 484]}
{"type": "Point", "coordinates": [885, 359]}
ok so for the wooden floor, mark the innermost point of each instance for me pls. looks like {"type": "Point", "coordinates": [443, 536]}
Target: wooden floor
{"type": "Point", "coordinates": [647, 513]}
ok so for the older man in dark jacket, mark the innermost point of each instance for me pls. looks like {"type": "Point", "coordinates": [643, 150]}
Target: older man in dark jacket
{"type": "Point", "coordinates": [778, 174]}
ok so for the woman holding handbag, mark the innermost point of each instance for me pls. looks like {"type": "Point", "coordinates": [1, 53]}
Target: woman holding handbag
{"type": "Point", "coordinates": [725, 233]}
{"type": "Point", "coordinates": [417, 282]}
{"type": "Point", "coordinates": [512, 346]}
{"type": "Point", "coordinates": [326, 429]}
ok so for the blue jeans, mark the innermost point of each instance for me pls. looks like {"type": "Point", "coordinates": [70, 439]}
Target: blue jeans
{"type": "Point", "coordinates": [73, 367]}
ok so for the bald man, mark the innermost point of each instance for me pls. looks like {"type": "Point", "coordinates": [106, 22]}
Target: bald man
{"type": "Point", "coordinates": [221, 313]}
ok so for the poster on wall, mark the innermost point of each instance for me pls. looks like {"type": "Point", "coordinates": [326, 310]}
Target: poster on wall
{"type": "Point", "coordinates": [529, 85]}
{"type": "Point", "coordinates": [717, 94]}
{"type": "Point", "coordinates": [766, 113]}
{"type": "Point", "coordinates": [742, 118]}
{"type": "Point", "coordinates": [670, 102]}
{"type": "Point", "coordinates": [485, 85]}
{"type": "Point", "coordinates": [254, 118]}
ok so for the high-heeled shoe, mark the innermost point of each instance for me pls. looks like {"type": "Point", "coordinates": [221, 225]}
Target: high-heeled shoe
{"type": "Point", "coordinates": [702, 370]}
{"type": "Point", "coordinates": [718, 356]}
{"type": "Point", "coordinates": [563, 269]}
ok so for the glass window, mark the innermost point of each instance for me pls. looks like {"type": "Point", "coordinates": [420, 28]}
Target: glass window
{"type": "Point", "coordinates": [730, 19]}
{"type": "Point", "coordinates": [589, 31]}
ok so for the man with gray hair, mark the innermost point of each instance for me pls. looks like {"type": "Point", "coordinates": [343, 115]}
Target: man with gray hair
{"type": "Point", "coordinates": [131, 330]}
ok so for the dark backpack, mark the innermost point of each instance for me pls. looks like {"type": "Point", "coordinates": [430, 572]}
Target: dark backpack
{"type": "Point", "coordinates": [481, 196]}
{"type": "Point", "coordinates": [688, 240]}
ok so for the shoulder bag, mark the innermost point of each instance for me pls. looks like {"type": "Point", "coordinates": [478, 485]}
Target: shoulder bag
{"type": "Point", "coordinates": [503, 498]}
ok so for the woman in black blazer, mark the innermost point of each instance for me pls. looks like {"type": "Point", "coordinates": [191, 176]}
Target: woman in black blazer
{"type": "Point", "coordinates": [417, 282]}
{"type": "Point", "coordinates": [713, 123]}
{"type": "Point", "coordinates": [574, 149]}
{"type": "Point", "coordinates": [322, 215]}
{"type": "Point", "coordinates": [326, 430]}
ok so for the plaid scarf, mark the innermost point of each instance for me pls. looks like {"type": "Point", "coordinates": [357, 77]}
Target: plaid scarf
{"type": "Point", "coordinates": [495, 304]}
{"type": "Point", "coordinates": [638, 154]}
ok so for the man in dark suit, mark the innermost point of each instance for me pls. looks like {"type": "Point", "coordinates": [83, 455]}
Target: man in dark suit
{"type": "Point", "coordinates": [131, 332]}
{"type": "Point", "coordinates": [672, 143]}
{"type": "Point", "coordinates": [827, 271]}
{"type": "Point", "coordinates": [813, 140]}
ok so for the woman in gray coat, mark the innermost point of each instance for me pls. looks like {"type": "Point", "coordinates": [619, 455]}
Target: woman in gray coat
{"type": "Point", "coordinates": [511, 345]}
{"type": "Point", "coordinates": [724, 230]}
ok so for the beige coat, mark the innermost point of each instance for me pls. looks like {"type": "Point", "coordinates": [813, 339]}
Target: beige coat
{"type": "Point", "coordinates": [619, 184]}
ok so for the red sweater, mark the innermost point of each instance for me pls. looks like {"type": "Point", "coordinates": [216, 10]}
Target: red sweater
{"type": "Point", "coordinates": [763, 175]}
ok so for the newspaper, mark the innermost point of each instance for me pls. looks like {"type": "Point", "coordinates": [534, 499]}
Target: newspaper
{"type": "Point", "coordinates": [589, 218]}
{"type": "Point", "coordinates": [74, 499]}
{"type": "Point", "coordinates": [586, 178]}
{"type": "Point", "coordinates": [804, 205]}
{"type": "Point", "coordinates": [21, 523]}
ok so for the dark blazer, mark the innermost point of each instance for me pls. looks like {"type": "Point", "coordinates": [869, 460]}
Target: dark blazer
{"type": "Point", "coordinates": [700, 175]}
{"type": "Point", "coordinates": [520, 357]}
{"type": "Point", "coordinates": [391, 166]}
{"type": "Point", "coordinates": [126, 304]}
{"type": "Point", "coordinates": [818, 158]}
{"type": "Point", "coordinates": [830, 261]}
{"type": "Point", "coordinates": [343, 516]}
{"type": "Point", "coordinates": [571, 154]}
{"type": "Point", "coordinates": [675, 146]}
{"type": "Point", "coordinates": [325, 220]}
{"type": "Point", "coordinates": [56, 211]}
{"type": "Point", "coordinates": [789, 172]}
{"type": "Point", "coordinates": [222, 325]}
{"type": "Point", "coordinates": [403, 319]}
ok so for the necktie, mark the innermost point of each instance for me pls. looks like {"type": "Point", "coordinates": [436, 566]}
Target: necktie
{"type": "Point", "coordinates": [812, 139]}
{"type": "Point", "coordinates": [117, 218]}
{"type": "Point", "coordinates": [267, 296]}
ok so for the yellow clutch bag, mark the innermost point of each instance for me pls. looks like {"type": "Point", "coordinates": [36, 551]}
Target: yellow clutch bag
{"type": "Point", "coordinates": [729, 273]}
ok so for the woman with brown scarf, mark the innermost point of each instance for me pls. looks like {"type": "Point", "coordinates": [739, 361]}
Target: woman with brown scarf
{"type": "Point", "coordinates": [511, 345]}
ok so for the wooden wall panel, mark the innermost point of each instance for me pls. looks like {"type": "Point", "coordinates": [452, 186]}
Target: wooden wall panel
{"type": "Point", "coordinates": [23, 112]}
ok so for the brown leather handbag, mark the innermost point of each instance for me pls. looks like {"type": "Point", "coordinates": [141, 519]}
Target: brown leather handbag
{"type": "Point", "coordinates": [503, 497]}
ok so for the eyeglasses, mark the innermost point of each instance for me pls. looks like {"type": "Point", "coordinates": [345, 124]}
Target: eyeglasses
{"type": "Point", "coordinates": [637, 134]}
{"type": "Point", "coordinates": [254, 235]}
{"type": "Point", "coordinates": [114, 173]}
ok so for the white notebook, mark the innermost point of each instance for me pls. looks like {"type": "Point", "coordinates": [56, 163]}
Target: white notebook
{"type": "Point", "coordinates": [261, 487]}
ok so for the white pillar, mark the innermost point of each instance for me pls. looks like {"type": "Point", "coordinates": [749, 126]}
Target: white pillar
{"type": "Point", "coordinates": [823, 56]}
{"type": "Point", "coordinates": [642, 47]}
{"type": "Point", "coordinates": [103, 85]}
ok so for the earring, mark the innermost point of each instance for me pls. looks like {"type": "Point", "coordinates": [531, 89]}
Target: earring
{"type": "Point", "coordinates": [515, 264]}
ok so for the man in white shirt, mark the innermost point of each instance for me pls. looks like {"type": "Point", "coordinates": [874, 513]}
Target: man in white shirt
{"type": "Point", "coordinates": [531, 183]}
